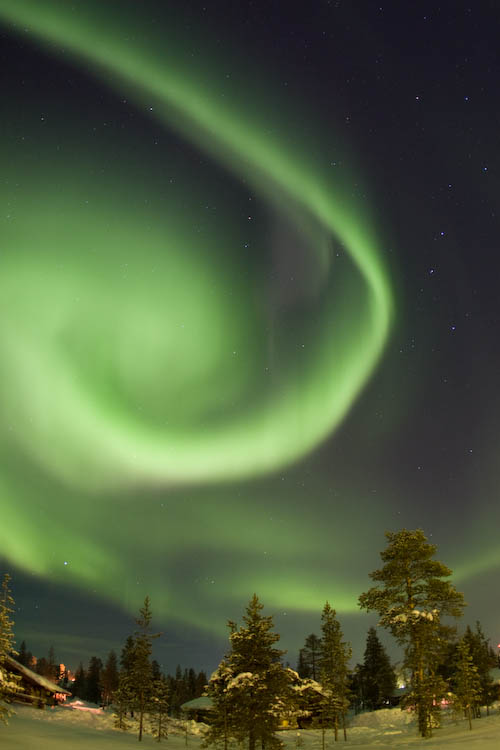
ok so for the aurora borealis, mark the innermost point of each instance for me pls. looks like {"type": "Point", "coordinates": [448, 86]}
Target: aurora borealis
{"type": "Point", "coordinates": [218, 374]}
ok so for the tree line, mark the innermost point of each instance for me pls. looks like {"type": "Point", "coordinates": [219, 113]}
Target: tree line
{"type": "Point", "coordinates": [252, 692]}
{"type": "Point", "coordinates": [98, 681]}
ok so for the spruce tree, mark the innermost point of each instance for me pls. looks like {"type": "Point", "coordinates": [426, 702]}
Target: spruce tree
{"type": "Point", "coordinates": [140, 674]}
{"type": "Point", "coordinates": [109, 678]}
{"type": "Point", "coordinates": [411, 597]}
{"type": "Point", "coordinates": [302, 667]}
{"type": "Point", "coordinates": [334, 670]}
{"type": "Point", "coordinates": [24, 657]}
{"type": "Point", "coordinates": [484, 660]}
{"type": "Point", "coordinates": [201, 683]}
{"type": "Point", "coordinates": [127, 655]}
{"type": "Point", "coordinates": [376, 675]}
{"type": "Point", "coordinates": [159, 707]}
{"type": "Point", "coordinates": [93, 684]}
{"type": "Point", "coordinates": [79, 687]}
{"type": "Point", "coordinates": [251, 688]}
{"type": "Point", "coordinates": [466, 682]}
{"type": "Point", "coordinates": [8, 681]}
{"type": "Point", "coordinates": [53, 667]}
{"type": "Point", "coordinates": [123, 700]}
{"type": "Point", "coordinates": [309, 657]}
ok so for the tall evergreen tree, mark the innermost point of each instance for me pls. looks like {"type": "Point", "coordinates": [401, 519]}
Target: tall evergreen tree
{"type": "Point", "coordinates": [24, 657]}
{"type": "Point", "coordinates": [466, 682]}
{"type": "Point", "coordinates": [201, 683]}
{"type": "Point", "coordinates": [42, 667]}
{"type": "Point", "coordinates": [411, 597]}
{"type": "Point", "coordinates": [123, 700]}
{"type": "Point", "coordinates": [53, 667]}
{"type": "Point", "coordinates": [141, 677]}
{"type": "Point", "coordinates": [483, 657]}
{"type": "Point", "coordinates": [251, 687]}
{"type": "Point", "coordinates": [309, 657]}
{"type": "Point", "coordinates": [79, 687]}
{"type": "Point", "coordinates": [127, 655]}
{"type": "Point", "coordinates": [159, 707]}
{"type": "Point", "coordinates": [334, 670]}
{"type": "Point", "coordinates": [93, 686]}
{"type": "Point", "coordinates": [109, 678]}
{"type": "Point", "coordinates": [191, 683]}
{"type": "Point", "coordinates": [8, 681]}
{"type": "Point", "coordinates": [302, 667]}
{"type": "Point", "coordinates": [376, 675]}
{"type": "Point", "coordinates": [123, 694]}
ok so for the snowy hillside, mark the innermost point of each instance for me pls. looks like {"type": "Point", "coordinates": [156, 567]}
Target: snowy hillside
{"type": "Point", "coordinates": [389, 729]}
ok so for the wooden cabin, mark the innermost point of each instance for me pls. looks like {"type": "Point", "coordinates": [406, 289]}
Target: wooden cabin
{"type": "Point", "coordinates": [199, 709]}
{"type": "Point", "coordinates": [33, 688]}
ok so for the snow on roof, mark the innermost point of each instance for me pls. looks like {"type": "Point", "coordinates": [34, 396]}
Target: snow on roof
{"type": "Point", "coordinates": [202, 702]}
{"type": "Point", "coordinates": [34, 677]}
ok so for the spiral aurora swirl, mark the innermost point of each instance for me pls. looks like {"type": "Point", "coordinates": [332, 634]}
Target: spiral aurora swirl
{"type": "Point", "coordinates": [131, 353]}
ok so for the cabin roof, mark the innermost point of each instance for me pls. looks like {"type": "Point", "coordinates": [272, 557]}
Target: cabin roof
{"type": "Point", "coordinates": [33, 677]}
{"type": "Point", "coordinates": [203, 702]}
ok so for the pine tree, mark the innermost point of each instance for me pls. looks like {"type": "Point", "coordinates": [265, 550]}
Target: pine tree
{"type": "Point", "coordinates": [24, 657]}
{"type": "Point", "coordinates": [309, 657]}
{"type": "Point", "coordinates": [411, 598]}
{"type": "Point", "coordinates": [223, 721]}
{"type": "Point", "coordinates": [177, 691]}
{"type": "Point", "coordinates": [356, 686]}
{"type": "Point", "coordinates": [123, 699]}
{"type": "Point", "coordinates": [466, 682]}
{"type": "Point", "coordinates": [8, 681]}
{"type": "Point", "coordinates": [93, 686]}
{"type": "Point", "coordinates": [484, 659]}
{"type": "Point", "coordinates": [201, 683]}
{"type": "Point", "coordinates": [155, 670]}
{"type": "Point", "coordinates": [334, 670]}
{"type": "Point", "coordinates": [79, 688]}
{"type": "Point", "coordinates": [140, 673]}
{"type": "Point", "coordinates": [376, 675]}
{"type": "Point", "coordinates": [302, 667]}
{"type": "Point", "coordinates": [251, 687]}
{"type": "Point", "coordinates": [159, 707]}
{"type": "Point", "coordinates": [123, 694]}
{"type": "Point", "coordinates": [191, 683]}
{"type": "Point", "coordinates": [127, 655]}
{"type": "Point", "coordinates": [109, 678]}
{"type": "Point", "coordinates": [53, 668]}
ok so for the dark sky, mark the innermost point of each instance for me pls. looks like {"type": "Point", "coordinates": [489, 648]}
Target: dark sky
{"type": "Point", "coordinates": [249, 312]}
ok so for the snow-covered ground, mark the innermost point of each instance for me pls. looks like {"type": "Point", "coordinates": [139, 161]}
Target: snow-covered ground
{"type": "Point", "coordinates": [390, 729]}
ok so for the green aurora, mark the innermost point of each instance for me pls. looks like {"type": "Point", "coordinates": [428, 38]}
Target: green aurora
{"type": "Point", "coordinates": [152, 374]}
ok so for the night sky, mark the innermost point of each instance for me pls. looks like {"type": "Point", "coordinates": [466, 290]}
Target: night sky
{"type": "Point", "coordinates": [249, 311]}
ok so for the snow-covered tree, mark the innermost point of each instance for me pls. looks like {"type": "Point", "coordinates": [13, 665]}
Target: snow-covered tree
{"type": "Point", "coordinates": [135, 683]}
{"type": "Point", "coordinates": [334, 670]}
{"type": "Point", "coordinates": [376, 677]}
{"type": "Point", "coordinates": [250, 690]}
{"type": "Point", "coordinates": [8, 681]}
{"type": "Point", "coordinates": [411, 597]}
{"type": "Point", "coordinates": [484, 659]}
{"type": "Point", "coordinates": [466, 682]}
{"type": "Point", "coordinates": [141, 678]}
{"type": "Point", "coordinates": [159, 708]}
{"type": "Point", "coordinates": [122, 700]}
{"type": "Point", "coordinates": [309, 657]}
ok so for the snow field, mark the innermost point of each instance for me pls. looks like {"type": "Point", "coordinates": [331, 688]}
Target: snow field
{"type": "Point", "coordinates": [387, 729]}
